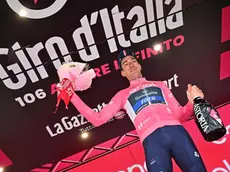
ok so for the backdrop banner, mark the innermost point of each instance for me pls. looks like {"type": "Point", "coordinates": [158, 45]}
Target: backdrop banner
{"type": "Point", "coordinates": [195, 49]}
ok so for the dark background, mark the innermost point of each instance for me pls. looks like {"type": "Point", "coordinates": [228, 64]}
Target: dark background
{"type": "Point", "coordinates": [23, 133]}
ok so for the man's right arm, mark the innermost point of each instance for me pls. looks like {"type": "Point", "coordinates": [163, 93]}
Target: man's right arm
{"type": "Point", "coordinates": [101, 117]}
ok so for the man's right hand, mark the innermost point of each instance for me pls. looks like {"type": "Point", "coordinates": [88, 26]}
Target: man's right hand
{"type": "Point", "coordinates": [65, 92]}
{"type": "Point", "coordinates": [65, 86]}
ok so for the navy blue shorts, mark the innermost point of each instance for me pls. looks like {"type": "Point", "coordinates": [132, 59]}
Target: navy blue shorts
{"type": "Point", "coordinates": [172, 142]}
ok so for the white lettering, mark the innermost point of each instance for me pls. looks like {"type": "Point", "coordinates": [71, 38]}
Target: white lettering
{"type": "Point", "coordinates": [203, 123]}
{"type": "Point", "coordinates": [83, 120]}
{"type": "Point", "coordinates": [50, 131]}
{"type": "Point", "coordinates": [33, 53]}
{"type": "Point", "coordinates": [175, 20]}
{"type": "Point", "coordinates": [87, 32]}
{"type": "Point", "coordinates": [156, 25]}
{"type": "Point", "coordinates": [143, 35]}
{"type": "Point", "coordinates": [21, 78]}
{"type": "Point", "coordinates": [25, 62]}
{"type": "Point", "coordinates": [4, 51]}
{"type": "Point", "coordinates": [173, 79]}
{"type": "Point", "coordinates": [68, 123]}
{"type": "Point", "coordinates": [220, 169]}
{"type": "Point", "coordinates": [108, 30]}
{"type": "Point", "coordinates": [117, 16]}
{"type": "Point", "coordinates": [52, 52]}
{"type": "Point", "coordinates": [59, 128]}
{"type": "Point", "coordinates": [30, 97]}
{"type": "Point", "coordinates": [151, 17]}
{"type": "Point", "coordinates": [76, 121]}
{"type": "Point", "coordinates": [136, 167]}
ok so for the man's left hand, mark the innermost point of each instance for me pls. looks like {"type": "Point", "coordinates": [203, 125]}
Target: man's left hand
{"type": "Point", "coordinates": [193, 92]}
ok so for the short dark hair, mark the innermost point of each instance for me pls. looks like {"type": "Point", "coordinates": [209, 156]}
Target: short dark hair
{"type": "Point", "coordinates": [123, 54]}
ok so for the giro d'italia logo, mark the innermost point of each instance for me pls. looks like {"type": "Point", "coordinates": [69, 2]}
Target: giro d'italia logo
{"type": "Point", "coordinates": [52, 9]}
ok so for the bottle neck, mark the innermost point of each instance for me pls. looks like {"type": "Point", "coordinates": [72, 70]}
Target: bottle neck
{"type": "Point", "coordinates": [198, 100]}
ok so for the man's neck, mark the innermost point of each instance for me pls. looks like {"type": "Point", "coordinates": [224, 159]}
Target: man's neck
{"type": "Point", "coordinates": [136, 79]}
{"type": "Point", "coordinates": [130, 80]}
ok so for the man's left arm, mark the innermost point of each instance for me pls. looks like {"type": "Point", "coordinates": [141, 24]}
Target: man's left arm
{"type": "Point", "coordinates": [182, 112]}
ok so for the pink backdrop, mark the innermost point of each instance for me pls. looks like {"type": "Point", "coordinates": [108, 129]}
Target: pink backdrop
{"type": "Point", "coordinates": [131, 159]}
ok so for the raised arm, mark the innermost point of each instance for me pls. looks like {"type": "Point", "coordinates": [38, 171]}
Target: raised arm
{"type": "Point", "coordinates": [101, 117]}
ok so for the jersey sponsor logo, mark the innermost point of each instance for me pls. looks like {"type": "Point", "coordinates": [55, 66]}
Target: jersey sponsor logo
{"type": "Point", "coordinates": [145, 97]}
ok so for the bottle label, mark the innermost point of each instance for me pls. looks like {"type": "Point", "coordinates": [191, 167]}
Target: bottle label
{"type": "Point", "coordinates": [201, 119]}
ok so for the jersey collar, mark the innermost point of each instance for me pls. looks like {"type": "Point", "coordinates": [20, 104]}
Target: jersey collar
{"type": "Point", "coordinates": [138, 80]}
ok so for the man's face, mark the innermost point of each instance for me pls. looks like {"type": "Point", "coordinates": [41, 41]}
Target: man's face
{"type": "Point", "coordinates": [131, 69]}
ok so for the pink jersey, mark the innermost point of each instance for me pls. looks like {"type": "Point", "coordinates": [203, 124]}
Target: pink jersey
{"type": "Point", "coordinates": [149, 104]}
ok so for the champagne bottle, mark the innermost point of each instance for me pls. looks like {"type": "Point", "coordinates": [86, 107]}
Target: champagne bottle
{"type": "Point", "coordinates": [208, 120]}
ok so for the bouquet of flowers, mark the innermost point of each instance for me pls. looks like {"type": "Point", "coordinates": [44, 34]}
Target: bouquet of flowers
{"type": "Point", "coordinates": [73, 76]}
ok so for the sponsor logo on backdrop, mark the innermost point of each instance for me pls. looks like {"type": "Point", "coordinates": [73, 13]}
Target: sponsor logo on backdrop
{"type": "Point", "coordinates": [221, 169]}
{"type": "Point", "coordinates": [31, 69]}
{"type": "Point", "coordinates": [135, 167]}
{"type": "Point", "coordinates": [16, 6]}
{"type": "Point", "coordinates": [68, 123]}
{"type": "Point", "coordinates": [161, 23]}
{"type": "Point", "coordinates": [143, 168]}
{"type": "Point", "coordinates": [225, 138]}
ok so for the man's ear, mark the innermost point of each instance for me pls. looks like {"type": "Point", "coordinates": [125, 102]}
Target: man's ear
{"type": "Point", "coordinates": [122, 73]}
